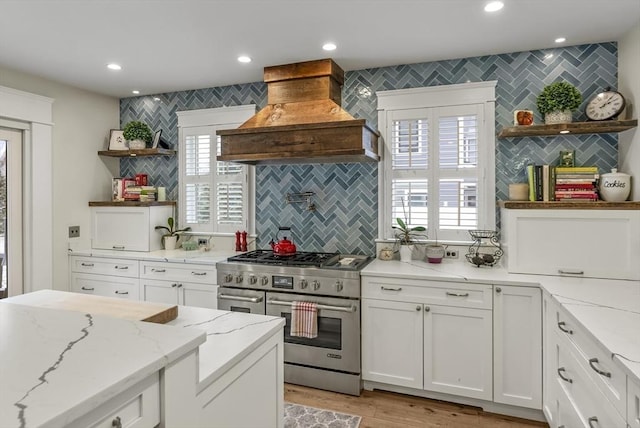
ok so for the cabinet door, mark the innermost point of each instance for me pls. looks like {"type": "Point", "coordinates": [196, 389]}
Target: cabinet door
{"type": "Point", "coordinates": [199, 295]}
{"type": "Point", "coordinates": [103, 285]}
{"type": "Point", "coordinates": [159, 291]}
{"type": "Point", "coordinates": [392, 342]}
{"type": "Point", "coordinates": [517, 346]}
{"type": "Point", "coordinates": [633, 403]}
{"type": "Point", "coordinates": [458, 351]}
{"type": "Point", "coordinates": [549, 355]}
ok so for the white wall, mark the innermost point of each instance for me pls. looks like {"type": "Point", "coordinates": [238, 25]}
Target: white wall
{"type": "Point", "coordinates": [629, 86]}
{"type": "Point", "coordinates": [82, 121]}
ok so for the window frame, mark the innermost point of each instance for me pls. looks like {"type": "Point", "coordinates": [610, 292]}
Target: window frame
{"type": "Point", "coordinates": [214, 119]}
{"type": "Point", "coordinates": [392, 104]}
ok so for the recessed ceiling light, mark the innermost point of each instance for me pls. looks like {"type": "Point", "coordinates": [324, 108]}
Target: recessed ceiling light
{"type": "Point", "coordinates": [493, 6]}
{"type": "Point", "coordinates": [560, 40]}
{"type": "Point", "coordinates": [114, 66]}
{"type": "Point", "coordinates": [329, 47]}
{"type": "Point", "coordinates": [244, 58]}
{"type": "Point", "coordinates": [136, 92]}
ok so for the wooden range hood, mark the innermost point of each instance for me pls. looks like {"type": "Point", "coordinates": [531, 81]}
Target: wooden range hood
{"type": "Point", "coordinates": [303, 121]}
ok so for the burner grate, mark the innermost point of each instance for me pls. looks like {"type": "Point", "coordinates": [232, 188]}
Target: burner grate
{"type": "Point", "coordinates": [267, 257]}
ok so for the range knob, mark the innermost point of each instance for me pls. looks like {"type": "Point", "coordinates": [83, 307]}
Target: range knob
{"type": "Point", "coordinates": [252, 279]}
{"type": "Point", "coordinates": [316, 284]}
{"type": "Point", "coordinates": [303, 283]}
{"type": "Point", "coordinates": [264, 280]}
{"type": "Point", "coordinates": [228, 277]}
{"type": "Point", "coordinates": [339, 286]}
{"type": "Point", "coordinates": [239, 279]}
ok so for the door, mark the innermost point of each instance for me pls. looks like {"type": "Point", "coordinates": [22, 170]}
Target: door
{"type": "Point", "coordinates": [392, 342]}
{"type": "Point", "coordinates": [458, 351]}
{"type": "Point", "coordinates": [159, 291]}
{"type": "Point", "coordinates": [11, 257]}
{"type": "Point", "coordinates": [199, 295]}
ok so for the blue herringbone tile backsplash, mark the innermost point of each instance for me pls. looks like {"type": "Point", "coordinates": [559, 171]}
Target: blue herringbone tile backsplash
{"type": "Point", "coordinates": [347, 194]}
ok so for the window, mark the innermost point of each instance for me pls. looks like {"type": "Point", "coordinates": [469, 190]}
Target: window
{"type": "Point", "coordinates": [215, 197]}
{"type": "Point", "coordinates": [438, 159]}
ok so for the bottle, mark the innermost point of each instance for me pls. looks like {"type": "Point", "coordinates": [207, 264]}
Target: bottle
{"type": "Point", "coordinates": [238, 245]}
{"type": "Point", "coordinates": [243, 245]}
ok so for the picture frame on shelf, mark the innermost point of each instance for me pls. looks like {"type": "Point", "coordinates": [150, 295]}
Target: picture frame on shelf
{"type": "Point", "coordinates": [156, 139]}
{"type": "Point", "coordinates": [117, 140]}
{"type": "Point", "coordinates": [567, 158]}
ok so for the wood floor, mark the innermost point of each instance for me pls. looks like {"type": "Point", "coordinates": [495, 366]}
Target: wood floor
{"type": "Point", "coordinates": [380, 409]}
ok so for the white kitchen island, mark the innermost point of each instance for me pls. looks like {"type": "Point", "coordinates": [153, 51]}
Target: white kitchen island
{"type": "Point", "coordinates": [72, 369]}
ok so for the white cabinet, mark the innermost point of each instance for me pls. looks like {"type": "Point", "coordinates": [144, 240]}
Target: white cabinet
{"type": "Point", "coordinates": [428, 335]}
{"type": "Point", "coordinates": [633, 403]}
{"type": "Point", "coordinates": [128, 228]}
{"type": "Point", "coordinates": [517, 346]}
{"type": "Point", "coordinates": [392, 340]}
{"type": "Point", "coordinates": [583, 242]}
{"type": "Point", "coordinates": [104, 277]}
{"type": "Point", "coordinates": [179, 283]}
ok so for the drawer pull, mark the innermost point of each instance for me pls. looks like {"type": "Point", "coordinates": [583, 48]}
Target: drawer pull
{"type": "Point", "coordinates": [87, 288]}
{"type": "Point", "coordinates": [198, 273]}
{"type": "Point", "coordinates": [427, 308]}
{"type": "Point", "coordinates": [174, 285]}
{"type": "Point", "coordinates": [566, 379]}
{"type": "Point", "coordinates": [457, 294]}
{"type": "Point", "coordinates": [158, 270]}
{"type": "Point", "coordinates": [591, 420]}
{"type": "Point", "coordinates": [179, 285]}
{"type": "Point", "coordinates": [86, 264]}
{"type": "Point", "coordinates": [597, 370]}
{"type": "Point", "coordinates": [118, 247]}
{"type": "Point", "coordinates": [122, 267]}
{"type": "Point", "coordinates": [561, 325]}
{"type": "Point", "coordinates": [570, 272]}
{"type": "Point", "coordinates": [390, 289]}
{"type": "Point", "coordinates": [498, 290]}
{"type": "Point", "coordinates": [122, 292]}
{"type": "Point", "coordinates": [418, 307]}
{"type": "Point", "coordinates": [117, 422]}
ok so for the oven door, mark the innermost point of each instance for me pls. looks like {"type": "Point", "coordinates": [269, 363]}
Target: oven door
{"type": "Point", "coordinates": [337, 346]}
{"type": "Point", "coordinates": [241, 300]}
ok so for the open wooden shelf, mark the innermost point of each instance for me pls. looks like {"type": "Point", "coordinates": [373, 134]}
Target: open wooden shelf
{"type": "Point", "coordinates": [133, 153]}
{"type": "Point", "coordinates": [595, 127]}
{"type": "Point", "coordinates": [592, 205]}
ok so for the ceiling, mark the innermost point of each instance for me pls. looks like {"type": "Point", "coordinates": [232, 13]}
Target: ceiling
{"type": "Point", "coordinates": [166, 46]}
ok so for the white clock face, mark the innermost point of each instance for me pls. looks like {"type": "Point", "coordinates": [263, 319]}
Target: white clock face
{"type": "Point", "coordinates": [605, 105]}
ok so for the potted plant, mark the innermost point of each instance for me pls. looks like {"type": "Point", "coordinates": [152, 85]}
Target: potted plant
{"type": "Point", "coordinates": [170, 237]}
{"type": "Point", "coordinates": [407, 236]}
{"type": "Point", "coordinates": [138, 134]}
{"type": "Point", "coordinates": [557, 101]}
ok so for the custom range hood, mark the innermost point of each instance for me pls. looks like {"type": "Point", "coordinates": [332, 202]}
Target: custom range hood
{"type": "Point", "coordinates": [303, 121]}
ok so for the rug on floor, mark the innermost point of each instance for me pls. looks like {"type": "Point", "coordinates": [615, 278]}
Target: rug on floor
{"type": "Point", "coordinates": [299, 416]}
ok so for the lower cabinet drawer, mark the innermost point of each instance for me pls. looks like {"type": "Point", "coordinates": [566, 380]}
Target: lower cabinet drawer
{"type": "Point", "coordinates": [104, 266]}
{"type": "Point", "coordinates": [138, 407]}
{"type": "Point", "coordinates": [633, 403]}
{"type": "Point", "coordinates": [101, 285]}
{"type": "Point", "coordinates": [202, 274]}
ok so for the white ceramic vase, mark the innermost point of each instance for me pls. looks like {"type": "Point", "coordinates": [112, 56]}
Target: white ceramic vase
{"type": "Point", "coordinates": [170, 242]}
{"type": "Point", "coordinates": [137, 145]}
{"type": "Point", "coordinates": [406, 251]}
{"type": "Point", "coordinates": [615, 186]}
{"type": "Point", "coordinates": [558, 117]}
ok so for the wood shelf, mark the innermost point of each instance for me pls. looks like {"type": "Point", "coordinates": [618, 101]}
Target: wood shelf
{"type": "Point", "coordinates": [134, 153]}
{"type": "Point", "coordinates": [593, 205]}
{"type": "Point", "coordinates": [130, 203]}
{"type": "Point", "coordinates": [595, 127]}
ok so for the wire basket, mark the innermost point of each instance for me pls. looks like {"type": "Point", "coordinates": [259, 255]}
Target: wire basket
{"type": "Point", "coordinates": [485, 250]}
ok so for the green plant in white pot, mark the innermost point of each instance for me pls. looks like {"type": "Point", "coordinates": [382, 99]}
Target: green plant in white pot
{"type": "Point", "coordinates": [171, 235]}
{"type": "Point", "coordinates": [138, 134]}
{"type": "Point", "coordinates": [557, 102]}
{"type": "Point", "coordinates": [407, 237]}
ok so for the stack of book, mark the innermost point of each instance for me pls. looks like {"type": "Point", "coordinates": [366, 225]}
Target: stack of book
{"type": "Point", "coordinates": [140, 193]}
{"type": "Point", "coordinates": [576, 184]}
{"type": "Point", "coordinates": [540, 182]}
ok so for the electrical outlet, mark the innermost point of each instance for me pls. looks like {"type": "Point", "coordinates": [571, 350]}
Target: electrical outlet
{"type": "Point", "coordinates": [451, 254]}
{"type": "Point", "coordinates": [203, 241]}
{"type": "Point", "coordinates": [74, 231]}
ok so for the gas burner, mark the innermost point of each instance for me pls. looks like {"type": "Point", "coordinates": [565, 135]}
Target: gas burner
{"type": "Point", "coordinates": [267, 257]}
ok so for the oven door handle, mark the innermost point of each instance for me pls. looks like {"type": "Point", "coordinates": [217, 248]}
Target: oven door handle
{"type": "Point", "coordinates": [240, 298]}
{"type": "Point", "coordinates": [327, 307]}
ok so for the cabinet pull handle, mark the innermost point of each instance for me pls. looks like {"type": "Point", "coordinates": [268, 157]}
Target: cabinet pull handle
{"type": "Point", "coordinates": [198, 273]}
{"type": "Point", "coordinates": [597, 370]}
{"type": "Point", "coordinates": [179, 285]}
{"type": "Point", "coordinates": [498, 290]}
{"type": "Point", "coordinates": [118, 247]}
{"type": "Point", "coordinates": [593, 419]}
{"type": "Point", "coordinates": [390, 289]}
{"type": "Point", "coordinates": [561, 325]}
{"type": "Point", "coordinates": [174, 285]}
{"type": "Point", "coordinates": [122, 267]}
{"type": "Point", "coordinates": [117, 422]}
{"type": "Point", "coordinates": [87, 288]}
{"type": "Point", "coordinates": [570, 272]}
{"type": "Point", "coordinates": [457, 294]}
{"type": "Point", "coordinates": [86, 264]}
{"type": "Point", "coordinates": [418, 308]}
{"type": "Point", "coordinates": [427, 308]}
{"type": "Point", "coordinates": [122, 292]}
{"type": "Point", "coordinates": [566, 379]}
{"type": "Point", "coordinates": [158, 270]}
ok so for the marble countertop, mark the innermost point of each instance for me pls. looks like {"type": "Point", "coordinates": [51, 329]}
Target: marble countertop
{"type": "Point", "coordinates": [58, 365]}
{"type": "Point", "coordinates": [172, 256]}
{"type": "Point", "coordinates": [608, 309]}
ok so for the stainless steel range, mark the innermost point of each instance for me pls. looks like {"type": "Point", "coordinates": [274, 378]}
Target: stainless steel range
{"type": "Point", "coordinates": [263, 283]}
